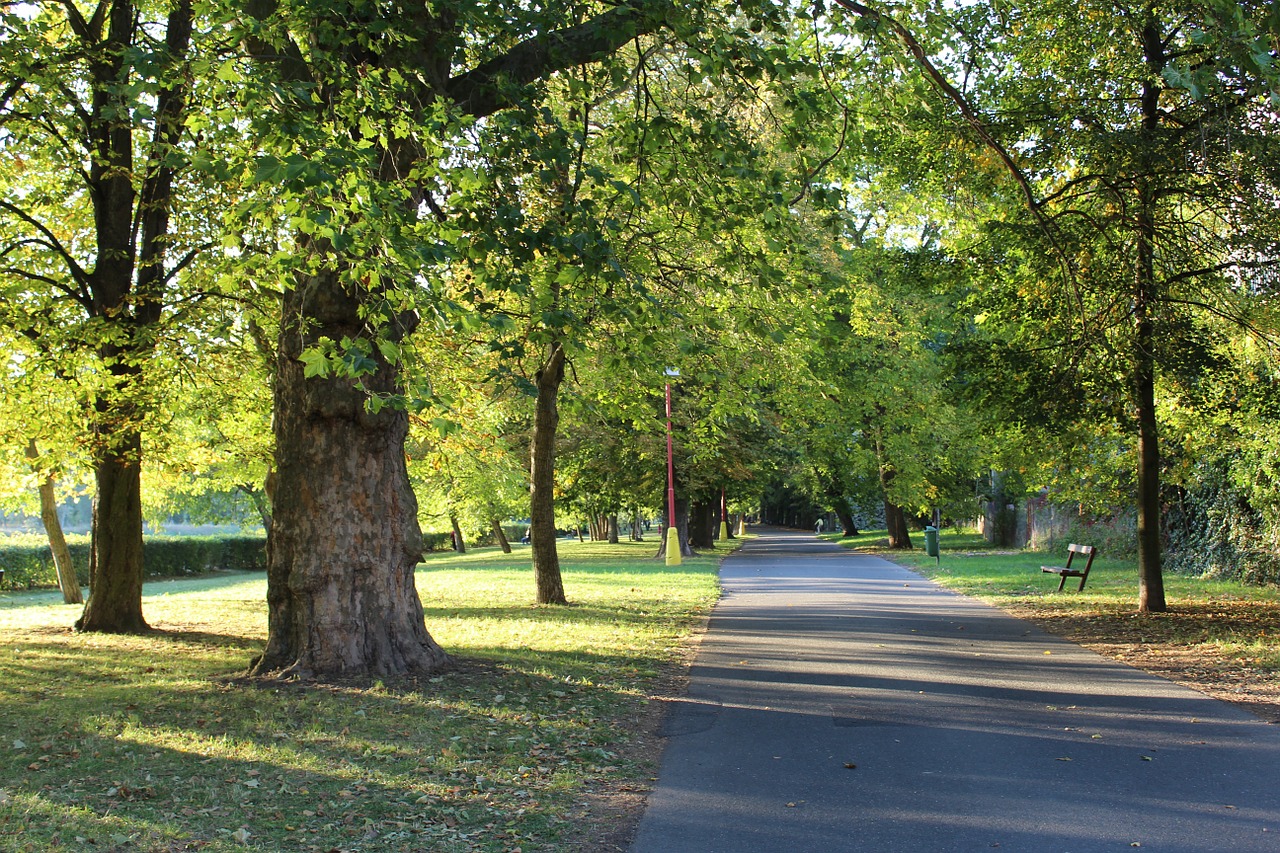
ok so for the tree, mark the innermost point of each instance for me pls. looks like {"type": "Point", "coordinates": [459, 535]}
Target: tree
{"type": "Point", "coordinates": [372, 100]}
{"type": "Point", "coordinates": [1144, 201]}
{"type": "Point", "coordinates": [94, 116]}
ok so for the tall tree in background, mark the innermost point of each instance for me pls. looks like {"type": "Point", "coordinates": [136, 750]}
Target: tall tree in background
{"type": "Point", "coordinates": [1148, 204]}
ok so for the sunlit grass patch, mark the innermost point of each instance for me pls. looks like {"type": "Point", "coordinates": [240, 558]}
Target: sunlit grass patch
{"type": "Point", "coordinates": [1222, 637]}
{"type": "Point", "coordinates": [155, 742]}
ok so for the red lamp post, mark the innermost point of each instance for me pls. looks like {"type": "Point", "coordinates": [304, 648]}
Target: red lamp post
{"type": "Point", "coordinates": [673, 535]}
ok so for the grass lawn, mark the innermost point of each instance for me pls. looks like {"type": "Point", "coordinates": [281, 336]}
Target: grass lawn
{"type": "Point", "coordinates": [154, 743]}
{"type": "Point", "coordinates": [1220, 637]}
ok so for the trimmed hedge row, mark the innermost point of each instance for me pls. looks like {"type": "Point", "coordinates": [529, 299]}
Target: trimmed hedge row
{"type": "Point", "coordinates": [31, 566]}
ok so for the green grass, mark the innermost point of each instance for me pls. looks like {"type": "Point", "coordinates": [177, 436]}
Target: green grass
{"type": "Point", "coordinates": [155, 743]}
{"type": "Point", "coordinates": [1227, 621]}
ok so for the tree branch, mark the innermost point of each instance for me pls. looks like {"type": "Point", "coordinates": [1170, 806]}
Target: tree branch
{"type": "Point", "coordinates": [77, 272]}
{"type": "Point", "coordinates": [493, 85]}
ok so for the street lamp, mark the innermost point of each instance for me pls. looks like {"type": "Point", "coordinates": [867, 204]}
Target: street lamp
{"type": "Point", "coordinates": [673, 535]}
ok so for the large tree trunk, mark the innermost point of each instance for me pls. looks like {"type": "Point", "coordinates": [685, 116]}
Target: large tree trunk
{"type": "Point", "coordinates": [62, 565]}
{"type": "Point", "coordinates": [542, 481]}
{"type": "Point", "coordinates": [701, 523]}
{"type": "Point", "coordinates": [896, 521]}
{"type": "Point", "coordinates": [115, 567]}
{"type": "Point", "coordinates": [613, 528]}
{"type": "Point", "coordinates": [848, 526]}
{"type": "Point", "coordinates": [345, 538]}
{"type": "Point", "coordinates": [500, 535]}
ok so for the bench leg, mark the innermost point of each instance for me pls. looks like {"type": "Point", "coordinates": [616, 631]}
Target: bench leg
{"type": "Point", "coordinates": [1083, 578]}
{"type": "Point", "coordinates": [1062, 582]}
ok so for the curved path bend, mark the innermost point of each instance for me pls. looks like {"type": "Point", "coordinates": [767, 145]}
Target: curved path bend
{"type": "Point", "coordinates": [839, 702]}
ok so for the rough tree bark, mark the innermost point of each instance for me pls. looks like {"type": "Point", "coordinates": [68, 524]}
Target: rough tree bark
{"type": "Point", "coordinates": [345, 539]}
{"type": "Point", "coordinates": [115, 565]}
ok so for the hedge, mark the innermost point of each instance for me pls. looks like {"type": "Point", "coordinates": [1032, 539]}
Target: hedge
{"type": "Point", "coordinates": [31, 566]}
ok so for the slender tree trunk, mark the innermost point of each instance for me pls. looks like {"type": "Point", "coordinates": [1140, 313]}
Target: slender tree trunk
{"type": "Point", "coordinates": [500, 535]}
{"type": "Point", "coordinates": [1150, 567]}
{"type": "Point", "coordinates": [613, 528]}
{"type": "Point", "coordinates": [345, 539]}
{"type": "Point", "coordinates": [542, 481]}
{"type": "Point", "coordinates": [66, 571]}
{"type": "Point", "coordinates": [459, 545]}
{"type": "Point", "coordinates": [260, 503]}
{"type": "Point", "coordinates": [115, 569]}
{"type": "Point", "coordinates": [848, 526]}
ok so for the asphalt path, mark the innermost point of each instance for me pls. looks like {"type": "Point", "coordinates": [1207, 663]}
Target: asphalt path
{"type": "Point", "coordinates": [839, 702]}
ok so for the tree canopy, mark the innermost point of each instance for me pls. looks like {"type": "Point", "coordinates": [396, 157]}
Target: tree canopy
{"type": "Point", "coordinates": [372, 265]}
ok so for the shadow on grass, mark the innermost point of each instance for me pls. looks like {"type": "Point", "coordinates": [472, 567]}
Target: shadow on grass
{"type": "Point", "coordinates": [134, 749]}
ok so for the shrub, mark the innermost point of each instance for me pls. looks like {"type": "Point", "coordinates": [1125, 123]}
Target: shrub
{"type": "Point", "coordinates": [1116, 536]}
{"type": "Point", "coordinates": [1214, 530]}
{"type": "Point", "coordinates": [30, 566]}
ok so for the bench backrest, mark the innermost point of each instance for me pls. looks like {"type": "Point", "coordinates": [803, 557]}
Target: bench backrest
{"type": "Point", "coordinates": [1074, 549]}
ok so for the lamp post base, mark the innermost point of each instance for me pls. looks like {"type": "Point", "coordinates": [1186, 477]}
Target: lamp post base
{"type": "Point", "coordinates": [673, 546]}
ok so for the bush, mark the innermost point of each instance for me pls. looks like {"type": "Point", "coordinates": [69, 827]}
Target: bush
{"type": "Point", "coordinates": [30, 566]}
{"type": "Point", "coordinates": [437, 541]}
{"type": "Point", "coordinates": [1113, 537]}
{"type": "Point", "coordinates": [1214, 530]}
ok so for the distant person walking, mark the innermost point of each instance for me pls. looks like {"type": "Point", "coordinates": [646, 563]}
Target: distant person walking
{"type": "Point", "coordinates": [818, 529]}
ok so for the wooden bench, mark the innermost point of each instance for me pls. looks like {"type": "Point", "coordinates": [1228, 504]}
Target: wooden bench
{"type": "Point", "coordinates": [1068, 572]}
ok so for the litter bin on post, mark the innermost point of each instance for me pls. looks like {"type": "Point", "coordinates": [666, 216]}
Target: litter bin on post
{"type": "Point", "coordinates": [931, 543]}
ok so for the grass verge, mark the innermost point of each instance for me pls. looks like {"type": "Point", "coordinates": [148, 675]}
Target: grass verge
{"type": "Point", "coordinates": [154, 743]}
{"type": "Point", "coordinates": [1219, 637]}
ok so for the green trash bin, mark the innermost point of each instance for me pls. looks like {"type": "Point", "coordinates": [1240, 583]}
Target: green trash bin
{"type": "Point", "coordinates": [931, 542]}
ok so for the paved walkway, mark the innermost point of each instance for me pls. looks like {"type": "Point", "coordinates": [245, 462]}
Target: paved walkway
{"type": "Point", "coordinates": [841, 703]}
